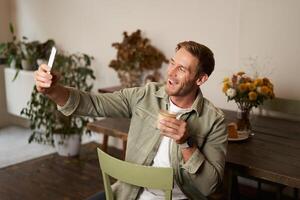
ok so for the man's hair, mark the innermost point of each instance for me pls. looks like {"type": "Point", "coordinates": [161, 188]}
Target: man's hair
{"type": "Point", "coordinates": [206, 61]}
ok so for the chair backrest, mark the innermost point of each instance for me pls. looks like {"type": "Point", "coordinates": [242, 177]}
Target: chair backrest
{"type": "Point", "coordinates": [288, 107]}
{"type": "Point", "coordinates": [139, 175]}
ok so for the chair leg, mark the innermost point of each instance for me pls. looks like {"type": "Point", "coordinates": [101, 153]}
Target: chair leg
{"type": "Point", "coordinates": [258, 194]}
{"type": "Point", "coordinates": [296, 196]}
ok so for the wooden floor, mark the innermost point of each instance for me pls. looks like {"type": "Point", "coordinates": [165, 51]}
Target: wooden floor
{"type": "Point", "coordinates": [54, 177]}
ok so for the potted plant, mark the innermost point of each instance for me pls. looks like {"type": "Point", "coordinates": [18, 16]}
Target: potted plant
{"type": "Point", "coordinates": [136, 55]}
{"type": "Point", "coordinates": [46, 122]}
{"type": "Point", "coordinates": [35, 53]}
{"type": "Point", "coordinates": [22, 54]}
{"type": "Point", "coordinates": [12, 52]}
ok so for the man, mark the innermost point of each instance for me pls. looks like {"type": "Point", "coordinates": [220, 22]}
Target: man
{"type": "Point", "coordinates": [193, 144]}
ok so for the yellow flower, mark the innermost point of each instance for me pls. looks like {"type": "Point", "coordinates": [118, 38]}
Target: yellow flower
{"type": "Point", "coordinates": [243, 87]}
{"type": "Point", "coordinates": [258, 82]}
{"type": "Point", "coordinates": [264, 90]}
{"type": "Point", "coordinates": [225, 87]}
{"type": "Point", "coordinates": [252, 86]}
{"type": "Point", "coordinates": [252, 96]}
{"type": "Point", "coordinates": [226, 80]}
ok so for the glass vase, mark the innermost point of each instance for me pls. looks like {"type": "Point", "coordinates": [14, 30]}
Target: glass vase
{"type": "Point", "coordinates": [243, 120]}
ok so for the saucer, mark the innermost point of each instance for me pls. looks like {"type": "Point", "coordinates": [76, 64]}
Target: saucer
{"type": "Point", "coordinates": [242, 135]}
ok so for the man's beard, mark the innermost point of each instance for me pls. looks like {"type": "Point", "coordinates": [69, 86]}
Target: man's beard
{"type": "Point", "coordinates": [180, 91]}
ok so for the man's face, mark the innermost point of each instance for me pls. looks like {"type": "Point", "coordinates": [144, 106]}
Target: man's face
{"type": "Point", "coordinates": [181, 77]}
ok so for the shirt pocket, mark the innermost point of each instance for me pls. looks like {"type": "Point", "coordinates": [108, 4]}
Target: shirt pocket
{"type": "Point", "coordinates": [145, 127]}
{"type": "Point", "coordinates": [147, 117]}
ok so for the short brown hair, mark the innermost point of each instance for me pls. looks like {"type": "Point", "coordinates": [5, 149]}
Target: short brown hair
{"type": "Point", "coordinates": [203, 53]}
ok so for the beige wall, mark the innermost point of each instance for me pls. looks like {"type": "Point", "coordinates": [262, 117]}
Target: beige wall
{"type": "Point", "coordinates": [234, 30]}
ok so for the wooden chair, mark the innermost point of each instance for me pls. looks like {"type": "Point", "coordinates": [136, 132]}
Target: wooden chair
{"type": "Point", "coordinates": [139, 175]}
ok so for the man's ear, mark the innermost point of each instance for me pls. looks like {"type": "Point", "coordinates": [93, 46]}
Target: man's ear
{"type": "Point", "coordinates": [202, 79]}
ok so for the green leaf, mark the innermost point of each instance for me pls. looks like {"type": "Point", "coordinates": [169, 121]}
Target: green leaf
{"type": "Point", "coordinates": [11, 28]}
{"type": "Point", "coordinates": [2, 47]}
{"type": "Point", "coordinates": [16, 74]}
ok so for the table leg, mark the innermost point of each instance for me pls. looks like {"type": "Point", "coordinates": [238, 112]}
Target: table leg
{"type": "Point", "coordinates": [105, 143]}
{"type": "Point", "coordinates": [233, 187]}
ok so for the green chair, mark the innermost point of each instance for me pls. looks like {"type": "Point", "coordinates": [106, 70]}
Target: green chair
{"type": "Point", "coordinates": [139, 175]}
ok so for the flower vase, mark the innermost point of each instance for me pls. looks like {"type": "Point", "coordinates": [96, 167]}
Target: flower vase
{"type": "Point", "coordinates": [243, 120]}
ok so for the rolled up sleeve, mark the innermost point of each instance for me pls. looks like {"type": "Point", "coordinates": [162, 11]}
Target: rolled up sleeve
{"type": "Point", "coordinates": [194, 162]}
{"type": "Point", "coordinates": [204, 169]}
{"type": "Point", "coordinates": [71, 104]}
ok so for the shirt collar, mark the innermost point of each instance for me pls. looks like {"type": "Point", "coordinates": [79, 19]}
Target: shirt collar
{"type": "Point", "coordinates": [196, 106]}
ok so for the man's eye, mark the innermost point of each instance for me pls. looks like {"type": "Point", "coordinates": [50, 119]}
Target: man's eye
{"type": "Point", "coordinates": [181, 69]}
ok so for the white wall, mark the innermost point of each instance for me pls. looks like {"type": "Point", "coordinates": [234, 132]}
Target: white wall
{"type": "Point", "coordinates": [233, 29]}
{"type": "Point", "coordinates": [92, 26]}
{"type": "Point", "coordinates": [270, 30]}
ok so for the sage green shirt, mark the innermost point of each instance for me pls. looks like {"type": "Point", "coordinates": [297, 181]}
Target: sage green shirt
{"type": "Point", "coordinates": [201, 174]}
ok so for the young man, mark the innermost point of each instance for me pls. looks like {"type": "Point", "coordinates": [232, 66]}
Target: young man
{"type": "Point", "coordinates": [193, 144]}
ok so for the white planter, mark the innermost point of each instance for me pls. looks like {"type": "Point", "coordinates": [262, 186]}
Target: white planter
{"type": "Point", "coordinates": [67, 145]}
{"type": "Point", "coordinates": [18, 92]}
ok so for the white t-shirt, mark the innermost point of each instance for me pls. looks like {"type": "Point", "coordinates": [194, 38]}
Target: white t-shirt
{"type": "Point", "coordinates": [162, 159]}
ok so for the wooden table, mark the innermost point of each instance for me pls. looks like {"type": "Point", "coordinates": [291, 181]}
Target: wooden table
{"type": "Point", "coordinates": [115, 127]}
{"type": "Point", "coordinates": [272, 154]}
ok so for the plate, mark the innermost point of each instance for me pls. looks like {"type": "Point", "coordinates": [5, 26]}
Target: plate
{"type": "Point", "coordinates": [242, 135]}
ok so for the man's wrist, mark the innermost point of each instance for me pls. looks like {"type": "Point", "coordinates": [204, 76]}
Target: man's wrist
{"type": "Point", "coordinates": [59, 94]}
{"type": "Point", "coordinates": [189, 143]}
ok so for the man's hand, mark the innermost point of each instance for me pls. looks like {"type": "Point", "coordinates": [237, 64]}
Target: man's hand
{"type": "Point", "coordinates": [178, 131]}
{"type": "Point", "coordinates": [174, 128]}
{"type": "Point", "coordinates": [45, 81]}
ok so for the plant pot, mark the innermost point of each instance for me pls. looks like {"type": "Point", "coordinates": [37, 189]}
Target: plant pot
{"type": "Point", "coordinates": [18, 92]}
{"type": "Point", "coordinates": [130, 78]}
{"type": "Point", "coordinates": [41, 61]}
{"type": "Point", "coordinates": [26, 65]}
{"type": "Point", "coordinates": [67, 145]}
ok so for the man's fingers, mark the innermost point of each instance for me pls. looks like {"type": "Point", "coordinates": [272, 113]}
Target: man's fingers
{"type": "Point", "coordinates": [172, 120]}
{"type": "Point", "coordinates": [170, 135]}
{"type": "Point", "coordinates": [42, 79]}
{"type": "Point", "coordinates": [44, 68]}
{"type": "Point", "coordinates": [43, 85]}
{"type": "Point", "coordinates": [167, 129]}
{"type": "Point", "coordinates": [170, 124]}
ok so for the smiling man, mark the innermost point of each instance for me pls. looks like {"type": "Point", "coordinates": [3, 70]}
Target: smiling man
{"type": "Point", "coordinates": [193, 144]}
